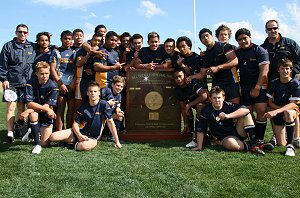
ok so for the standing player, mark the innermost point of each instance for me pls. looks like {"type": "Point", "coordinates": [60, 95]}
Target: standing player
{"type": "Point", "coordinates": [89, 123]}
{"type": "Point", "coordinates": [137, 43]}
{"type": "Point", "coordinates": [284, 93]}
{"type": "Point", "coordinates": [41, 96]}
{"type": "Point", "coordinates": [169, 46]}
{"type": "Point", "coordinates": [253, 66]}
{"type": "Point", "coordinates": [16, 59]}
{"type": "Point", "coordinates": [43, 53]}
{"type": "Point", "coordinates": [219, 116]}
{"type": "Point", "coordinates": [220, 62]}
{"type": "Point", "coordinates": [109, 67]}
{"type": "Point", "coordinates": [192, 95]}
{"type": "Point", "coordinates": [154, 56]}
{"type": "Point", "coordinates": [63, 72]}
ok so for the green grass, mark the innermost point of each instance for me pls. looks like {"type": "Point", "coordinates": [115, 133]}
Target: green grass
{"type": "Point", "coordinates": [151, 169]}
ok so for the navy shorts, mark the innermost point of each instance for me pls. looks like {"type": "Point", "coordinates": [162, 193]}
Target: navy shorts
{"type": "Point", "coordinates": [247, 100]}
{"type": "Point", "coordinates": [233, 133]}
{"type": "Point", "coordinates": [20, 91]}
{"type": "Point", "coordinates": [231, 90]}
{"type": "Point", "coordinates": [44, 120]}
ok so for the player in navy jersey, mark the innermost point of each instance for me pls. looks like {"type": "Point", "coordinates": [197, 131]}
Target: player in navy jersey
{"type": "Point", "coordinates": [219, 116]}
{"type": "Point", "coordinates": [137, 43]}
{"type": "Point", "coordinates": [43, 53]}
{"type": "Point", "coordinates": [41, 96]}
{"type": "Point", "coordinates": [189, 61]}
{"type": "Point", "coordinates": [89, 123]}
{"type": "Point", "coordinates": [114, 98]}
{"type": "Point", "coordinates": [223, 34]}
{"type": "Point", "coordinates": [169, 46]}
{"type": "Point", "coordinates": [220, 62]}
{"type": "Point", "coordinates": [253, 69]}
{"type": "Point", "coordinates": [85, 72]}
{"type": "Point", "coordinates": [109, 67]}
{"type": "Point", "coordinates": [284, 93]}
{"type": "Point", "coordinates": [192, 95]}
{"type": "Point", "coordinates": [154, 56]}
{"type": "Point", "coordinates": [63, 72]}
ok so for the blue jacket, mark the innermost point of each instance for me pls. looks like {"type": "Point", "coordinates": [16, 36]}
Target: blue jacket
{"type": "Point", "coordinates": [16, 62]}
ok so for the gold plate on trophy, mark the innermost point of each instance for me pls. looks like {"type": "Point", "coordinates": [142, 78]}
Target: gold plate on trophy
{"type": "Point", "coordinates": [153, 100]}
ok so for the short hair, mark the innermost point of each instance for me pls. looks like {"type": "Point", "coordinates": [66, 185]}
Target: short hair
{"type": "Point", "coordinates": [169, 40]}
{"type": "Point", "coordinates": [110, 34]}
{"type": "Point", "coordinates": [177, 70]}
{"type": "Point", "coordinates": [43, 34]}
{"type": "Point", "coordinates": [41, 64]}
{"type": "Point", "coordinates": [125, 34]}
{"type": "Point", "coordinates": [204, 30]}
{"type": "Point", "coordinates": [270, 21]}
{"type": "Point", "coordinates": [217, 90]}
{"type": "Point", "coordinates": [23, 26]}
{"type": "Point", "coordinates": [93, 84]}
{"type": "Point", "coordinates": [117, 79]}
{"type": "Point", "coordinates": [186, 39]}
{"type": "Point", "coordinates": [136, 36]}
{"type": "Point", "coordinates": [242, 31]}
{"type": "Point", "coordinates": [97, 34]}
{"type": "Point", "coordinates": [66, 33]}
{"type": "Point", "coordinates": [99, 27]}
{"type": "Point", "coordinates": [77, 30]}
{"type": "Point", "coordinates": [285, 62]}
{"type": "Point", "coordinates": [223, 27]}
{"type": "Point", "coordinates": [153, 35]}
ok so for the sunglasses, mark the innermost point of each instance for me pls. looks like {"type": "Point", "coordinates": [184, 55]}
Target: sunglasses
{"type": "Point", "coordinates": [20, 32]}
{"type": "Point", "coordinates": [273, 28]}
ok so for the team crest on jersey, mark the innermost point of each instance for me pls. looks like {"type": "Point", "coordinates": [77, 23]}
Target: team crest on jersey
{"type": "Point", "coordinates": [29, 53]}
{"type": "Point", "coordinates": [245, 63]}
{"type": "Point", "coordinates": [252, 59]}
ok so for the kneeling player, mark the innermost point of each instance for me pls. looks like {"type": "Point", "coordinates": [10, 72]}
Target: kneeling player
{"type": "Point", "coordinates": [89, 123]}
{"type": "Point", "coordinates": [219, 116]}
{"type": "Point", "coordinates": [40, 95]}
{"type": "Point", "coordinates": [283, 95]}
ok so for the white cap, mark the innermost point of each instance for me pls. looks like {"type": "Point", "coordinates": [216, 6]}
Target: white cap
{"type": "Point", "coordinates": [10, 95]}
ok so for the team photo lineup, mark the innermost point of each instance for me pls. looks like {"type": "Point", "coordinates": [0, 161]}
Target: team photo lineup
{"type": "Point", "coordinates": [74, 94]}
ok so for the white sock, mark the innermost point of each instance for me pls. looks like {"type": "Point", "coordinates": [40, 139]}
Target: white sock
{"type": "Point", "coordinates": [10, 134]}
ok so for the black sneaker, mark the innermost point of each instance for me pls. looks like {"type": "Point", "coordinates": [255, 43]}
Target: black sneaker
{"type": "Point", "coordinates": [267, 147]}
{"type": "Point", "coordinates": [257, 150]}
{"type": "Point", "coordinates": [8, 140]}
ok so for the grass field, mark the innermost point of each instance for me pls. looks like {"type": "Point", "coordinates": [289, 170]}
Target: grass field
{"type": "Point", "coordinates": [152, 169]}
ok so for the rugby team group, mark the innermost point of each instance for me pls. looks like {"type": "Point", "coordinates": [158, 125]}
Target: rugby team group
{"type": "Point", "coordinates": [250, 84]}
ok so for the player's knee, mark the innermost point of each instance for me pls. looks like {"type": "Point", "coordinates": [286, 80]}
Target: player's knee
{"type": "Point", "coordinates": [289, 115]}
{"type": "Point", "coordinates": [232, 144]}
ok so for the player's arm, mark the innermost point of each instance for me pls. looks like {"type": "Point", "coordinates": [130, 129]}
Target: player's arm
{"type": "Point", "coordinates": [262, 79]}
{"type": "Point", "coordinates": [201, 98]}
{"type": "Point", "coordinates": [100, 67]}
{"type": "Point", "coordinates": [81, 60]}
{"type": "Point", "coordinates": [42, 108]}
{"type": "Point", "coordinates": [165, 65]}
{"type": "Point", "coordinates": [4, 67]}
{"type": "Point", "coordinates": [232, 61]}
{"type": "Point", "coordinates": [76, 130]}
{"type": "Point", "coordinates": [240, 112]}
{"type": "Point", "coordinates": [112, 127]}
{"type": "Point", "coordinates": [201, 75]}
{"type": "Point", "coordinates": [277, 109]}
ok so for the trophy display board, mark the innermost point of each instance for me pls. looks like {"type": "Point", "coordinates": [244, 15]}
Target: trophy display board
{"type": "Point", "coordinates": [152, 111]}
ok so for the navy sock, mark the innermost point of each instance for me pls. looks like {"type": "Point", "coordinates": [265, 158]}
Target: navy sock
{"type": "Point", "coordinates": [260, 129]}
{"type": "Point", "coordinates": [35, 130]}
{"type": "Point", "coordinates": [289, 127]}
{"type": "Point", "coordinates": [191, 123]}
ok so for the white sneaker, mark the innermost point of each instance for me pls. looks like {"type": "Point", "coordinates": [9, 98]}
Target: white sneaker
{"type": "Point", "coordinates": [273, 140]}
{"type": "Point", "coordinates": [192, 144]}
{"type": "Point", "coordinates": [290, 150]}
{"type": "Point", "coordinates": [37, 149]}
{"type": "Point", "coordinates": [25, 138]}
{"type": "Point", "coordinates": [297, 143]}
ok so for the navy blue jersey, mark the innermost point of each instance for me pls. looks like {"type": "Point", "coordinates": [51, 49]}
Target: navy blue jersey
{"type": "Point", "coordinates": [45, 56]}
{"type": "Point", "coordinates": [41, 94]}
{"type": "Point", "coordinates": [64, 59]}
{"type": "Point", "coordinates": [249, 62]}
{"type": "Point", "coordinates": [217, 56]}
{"type": "Point", "coordinates": [146, 55]}
{"type": "Point", "coordinates": [282, 93]}
{"type": "Point", "coordinates": [284, 48]}
{"type": "Point", "coordinates": [107, 94]}
{"type": "Point", "coordinates": [80, 72]}
{"type": "Point", "coordinates": [105, 78]}
{"type": "Point", "coordinates": [190, 92]}
{"type": "Point", "coordinates": [16, 62]}
{"type": "Point", "coordinates": [91, 119]}
{"type": "Point", "coordinates": [193, 62]}
{"type": "Point", "coordinates": [221, 128]}
{"type": "Point", "coordinates": [174, 59]}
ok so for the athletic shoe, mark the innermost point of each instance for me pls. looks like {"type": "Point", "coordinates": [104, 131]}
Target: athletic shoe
{"type": "Point", "coordinates": [297, 143]}
{"type": "Point", "coordinates": [265, 146]}
{"type": "Point", "coordinates": [8, 140]}
{"type": "Point", "coordinates": [290, 150]}
{"type": "Point", "coordinates": [192, 144]}
{"type": "Point", "coordinates": [37, 149]}
{"type": "Point", "coordinates": [273, 140]}
{"type": "Point", "coordinates": [26, 138]}
{"type": "Point", "coordinates": [257, 150]}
